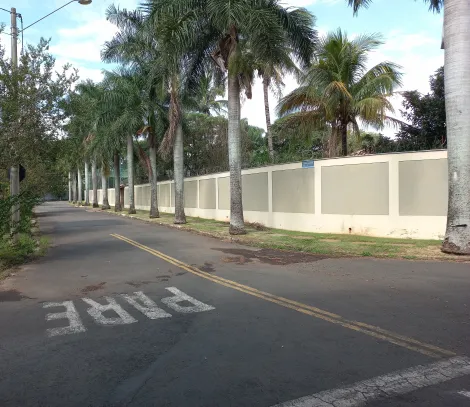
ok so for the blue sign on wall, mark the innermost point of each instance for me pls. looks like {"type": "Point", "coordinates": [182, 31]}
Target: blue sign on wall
{"type": "Point", "coordinates": [308, 164]}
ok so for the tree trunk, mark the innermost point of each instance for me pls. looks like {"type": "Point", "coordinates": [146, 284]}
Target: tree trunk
{"type": "Point", "coordinates": [117, 183]}
{"type": "Point", "coordinates": [70, 187]}
{"type": "Point", "coordinates": [457, 95]}
{"type": "Point", "coordinates": [237, 224]}
{"type": "Point", "coordinates": [87, 184]}
{"type": "Point", "coordinates": [178, 168]}
{"type": "Point", "coordinates": [153, 183]}
{"type": "Point", "coordinates": [332, 144]}
{"type": "Point", "coordinates": [74, 186]}
{"type": "Point", "coordinates": [104, 191]}
{"type": "Point", "coordinates": [344, 140]}
{"type": "Point", "coordinates": [94, 181]}
{"type": "Point", "coordinates": [268, 118]}
{"type": "Point", "coordinates": [130, 173]}
{"type": "Point", "coordinates": [79, 176]}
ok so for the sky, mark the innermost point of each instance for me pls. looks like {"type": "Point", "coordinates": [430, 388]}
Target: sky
{"type": "Point", "coordinates": [411, 35]}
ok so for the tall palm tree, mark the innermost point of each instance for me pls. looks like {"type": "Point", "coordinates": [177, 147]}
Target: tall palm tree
{"type": "Point", "coordinates": [338, 89]}
{"type": "Point", "coordinates": [125, 112]}
{"type": "Point", "coordinates": [134, 47]}
{"type": "Point", "coordinates": [272, 72]}
{"type": "Point", "coordinates": [236, 33]}
{"type": "Point", "coordinates": [457, 94]}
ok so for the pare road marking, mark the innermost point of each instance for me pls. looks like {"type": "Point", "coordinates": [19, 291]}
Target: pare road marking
{"type": "Point", "coordinates": [120, 316]}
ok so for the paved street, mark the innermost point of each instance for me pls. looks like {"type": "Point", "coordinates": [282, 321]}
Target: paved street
{"type": "Point", "coordinates": [123, 313]}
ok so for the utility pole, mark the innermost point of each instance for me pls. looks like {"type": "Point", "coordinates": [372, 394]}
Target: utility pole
{"type": "Point", "coordinates": [15, 169]}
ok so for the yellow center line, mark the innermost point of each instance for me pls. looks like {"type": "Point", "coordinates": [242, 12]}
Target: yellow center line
{"type": "Point", "coordinates": [371, 330]}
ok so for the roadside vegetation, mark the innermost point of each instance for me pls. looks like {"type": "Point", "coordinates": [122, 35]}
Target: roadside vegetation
{"type": "Point", "coordinates": [324, 244]}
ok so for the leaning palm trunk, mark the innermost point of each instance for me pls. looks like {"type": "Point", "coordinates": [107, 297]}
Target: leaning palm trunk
{"type": "Point", "coordinates": [94, 181]}
{"type": "Point", "coordinates": [153, 183]}
{"type": "Point", "coordinates": [457, 95]}
{"type": "Point", "coordinates": [268, 117]}
{"type": "Point", "coordinates": [79, 176]}
{"type": "Point", "coordinates": [87, 184]}
{"type": "Point", "coordinates": [237, 224]}
{"type": "Point", "coordinates": [130, 173]}
{"type": "Point", "coordinates": [104, 190]}
{"type": "Point", "coordinates": [117, 183]}
{"type": "Point", "coordinates": [178, 167]}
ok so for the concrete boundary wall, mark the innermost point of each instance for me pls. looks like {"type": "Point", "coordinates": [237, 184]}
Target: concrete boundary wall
{"type": "Point", "coordinates": [390, 195]}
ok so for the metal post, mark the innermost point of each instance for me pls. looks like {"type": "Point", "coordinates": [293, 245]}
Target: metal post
{"type": "Point", "coordinates": [14, 170]}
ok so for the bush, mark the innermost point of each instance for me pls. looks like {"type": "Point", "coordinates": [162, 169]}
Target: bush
{"type": "Point", "coordinates": [26, 201]}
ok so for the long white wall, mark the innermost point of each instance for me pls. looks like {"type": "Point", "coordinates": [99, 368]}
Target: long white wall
{"type": "Point", "coordinates": [396, 195]}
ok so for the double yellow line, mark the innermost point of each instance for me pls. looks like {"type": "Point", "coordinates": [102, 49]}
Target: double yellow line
{"type": "Point", "coordinates": [371, 330]}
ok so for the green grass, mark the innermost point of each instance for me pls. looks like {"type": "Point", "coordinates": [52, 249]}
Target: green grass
{"type": "Point", "coordinates": [347, 245]}
{"type": "Point", "coordinates": [26, 249]}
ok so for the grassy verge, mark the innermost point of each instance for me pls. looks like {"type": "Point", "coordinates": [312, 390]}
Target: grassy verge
{"type": "Point", "coordinates": [27, 249]}
{"type": "Point", "coordinates": [315, 243]}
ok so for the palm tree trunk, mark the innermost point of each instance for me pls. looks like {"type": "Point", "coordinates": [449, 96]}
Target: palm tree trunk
{"type": "Point", "coordinates": [268, 117]}
{"type": "Point", "coordinates": [457, 95]}
{"type": "Point", "coordinates": [117, 183]}
{"type": "Point", "coordinates": [104, 191]}
{"type": "Point", "coordinates": [237, 224]}
{"type": "Point", "coordinates": [79, 176]}
{"type": "Point", "coordinates": [87, 184]}
{"type": "Point", "coordinates": [74, 186]}
{"type": "Point", "coordinates": [70, 187]}
{"type": "Point", "coordinates": [94, 181]}
{"type": "Point", "coordinates": [344, 139]}
{"type": "Point", "coordinates": [130, 173]}
{"type": "Point", "coordinates": [153, 183]}
{"type": "Point", "coordinates": [178, 168]}
{"type": "Point", "coordinates": [332, 144]}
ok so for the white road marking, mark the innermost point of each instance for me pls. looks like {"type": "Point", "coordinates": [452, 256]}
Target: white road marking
{"type": "Point", "coordinates": [145, 305]}
{"type": "Point", "coordinates": [464, 393]}
{"type": "Point", "coordinates": [180, 296]}
{"type": "Point", "coordinates": [75, 323]}
{"type": "Point", "coordinates": [96, 311]}
{"type": "Point", "coordinates": [389, 385]}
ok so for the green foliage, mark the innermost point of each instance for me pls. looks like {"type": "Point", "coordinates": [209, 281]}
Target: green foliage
{"type": "Point", "coordinates": [426, 115]}
{"type": "Point", "coordinates": [26, 201]}
{"type": "Point", "coordinates": [338, 90]}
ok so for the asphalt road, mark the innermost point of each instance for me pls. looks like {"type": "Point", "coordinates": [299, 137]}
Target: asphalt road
{"type": "Point", "coordinates": [123, 313]}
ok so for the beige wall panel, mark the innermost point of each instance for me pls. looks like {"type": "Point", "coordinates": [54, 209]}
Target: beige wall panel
{"type": "Point", "coordinates": [224, 193]}
{"type": "Point", "coordinates": [294, 191]}
{"type": "Point", "coordinates": [190, 194]}
{"type": "Point", "coordinates": [423, 187]}
{"type": "Point", "coordinates": [255, 192]}
{"type": "Point", "coordinates": [145, 193]}
{"type": "Point", "coordinates": [207, 198]}
{"type": "Point", "coordinates": [173, 195]}
{"type": "Point", "coordinates": [164, 198]}
{"type": "Point", "coordinates": [360, 189]}
{"type": "Point", "coordinates": [111, 197]}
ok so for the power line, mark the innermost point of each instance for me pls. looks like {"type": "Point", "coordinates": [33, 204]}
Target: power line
{"type": "Point", "coordinates": [42, 18]}
{"type": "Point", "coordinates": [4, 9]}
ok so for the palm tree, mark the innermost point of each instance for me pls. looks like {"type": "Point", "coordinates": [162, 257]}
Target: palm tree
{"type": "Point", "coordinates": [133, 46]}
{"type": "Point", "coordinates": [339, 90]}
{"type": "Point", "coordinates": [457, 91]}
{"type": "Point", "coordinates": [237, 33]}
{"type": "Point", "coordinates": [125, 111]}
{"type": "Point", "coordinates": [272, 72]}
